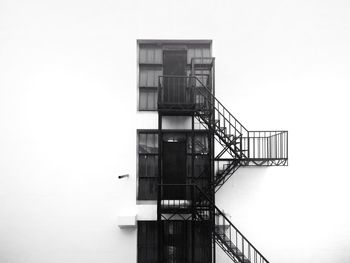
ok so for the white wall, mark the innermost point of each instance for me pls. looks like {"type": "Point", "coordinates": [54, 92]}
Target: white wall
{"type": "Point", "coordinates": [68, 122]}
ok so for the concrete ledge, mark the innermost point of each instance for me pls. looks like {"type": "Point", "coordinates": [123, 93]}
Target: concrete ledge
{"type": "Point", "coordinates": [126, 221]}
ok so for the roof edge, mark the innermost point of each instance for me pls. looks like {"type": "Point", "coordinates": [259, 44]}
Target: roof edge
{"type": "Point", "coordinates": [174, 41]}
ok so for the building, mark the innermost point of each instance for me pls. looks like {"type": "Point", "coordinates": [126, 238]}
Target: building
{"type": "Point", "coordinates": [69, 119]}
{"type": "Point", "coordinates": [196, 146]}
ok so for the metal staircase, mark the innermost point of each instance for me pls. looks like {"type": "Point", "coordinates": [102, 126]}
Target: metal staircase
{"type": "Point", "coordinates": [237, 147]}
{"type": "Point", "coordinates": [228, 133]}
{"type": "Point", "coordinates": [226, 235]}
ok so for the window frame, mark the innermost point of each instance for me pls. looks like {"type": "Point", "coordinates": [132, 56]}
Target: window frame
{"type": "Point", "coordinates": [193, 47]}
{"type": "Point", "coordinates": [147, 243]}
{"type": "Point", "coordinates": [139, 154]}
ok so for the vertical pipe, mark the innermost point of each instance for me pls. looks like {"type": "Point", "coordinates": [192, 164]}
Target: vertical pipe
{"type": "Point", "coordinates": [212, 151]}
{"type": "Point", "coordinates": [192, 182]}
{"type": "Point", "coordinates": [248, 153]}
{"type": "Point", "coordinates": [159, 219]}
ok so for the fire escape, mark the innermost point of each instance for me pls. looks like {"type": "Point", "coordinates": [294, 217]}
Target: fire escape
{"type": "Point", "coordinates": [231, 146]}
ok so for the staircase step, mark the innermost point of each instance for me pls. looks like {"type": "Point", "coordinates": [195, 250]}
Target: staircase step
{"type": "Point", "coordinates": [219, 173]}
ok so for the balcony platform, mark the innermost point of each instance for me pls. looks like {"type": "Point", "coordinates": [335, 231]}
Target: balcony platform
{"type": "Point", "coordinates": [265, 162]}
{"type": "Point", "coordinates": [183, 109]}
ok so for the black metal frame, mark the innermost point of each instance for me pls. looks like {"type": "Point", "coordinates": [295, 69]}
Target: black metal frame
{"type": "Point", "coordinates": [144, 154]}
{"type": "Point", "coordinates": [171, 212]}
{"type": "Point", "coordinates": [238, 147]}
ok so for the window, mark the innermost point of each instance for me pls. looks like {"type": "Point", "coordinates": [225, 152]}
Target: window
{"type": "Point", "coordinates": [148, 99]}
{"type": "Point", "coordinates": [198, 52]}
{"type": "Point", "coordinates": [150, 54]}
{"type": "Point", "coordinates": [177, 241]}
{"type": "Point", "coordinates": [150, 62]}
{"type": "Point", "coordinates": [200, 144]}
{"type": "Point", "coordinates": [147, 242]}
{"type": "Point", "coordinates": [149, 77]}
{"type": "Point", "coordinates": [202, 242]}
{"type": "Point", "coordinates": [148, 84]}
{"type": "Point", "coordinates": [150, 68]}
{"type": "Point", "coordinates": [147, 165]}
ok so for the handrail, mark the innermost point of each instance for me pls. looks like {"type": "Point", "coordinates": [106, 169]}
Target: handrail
{"type": "Point", "coordinates": [191, 93]}
{"type": "Point", "coordinates": [220, 213]}
{"type": "Point", "coordinates": [269, 145]}
{"type": "Point", "coordinates": [212, 97]}
{"type": "Point", "coordinates": [279, 131]}
{"type": "Point", "coordinates": [223, 215]}
{"type": "Point", "coordinates": [221, 104]}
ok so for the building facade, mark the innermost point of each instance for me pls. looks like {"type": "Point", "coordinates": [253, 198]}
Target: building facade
{"type": "Point", "coordinates": [193, 149]}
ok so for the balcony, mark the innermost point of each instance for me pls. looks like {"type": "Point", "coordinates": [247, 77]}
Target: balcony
{"type": "Point", "coordinates": [181, 94]}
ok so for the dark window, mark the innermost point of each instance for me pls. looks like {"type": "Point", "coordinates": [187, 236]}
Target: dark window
{"type": "Point", "coordinates": [147, 165]}
{"type": "Point", "coordinates": [202, 242]}
{"type": "Point", "coordinates": [176, 242]}
{"type": "Point", "coordinates": [148, 142]}
{"type": "Point", "coordinates": [147, 242]}
{"type": "Point", "coordinates": [201, 166]}
{"type": "Point", "coordinates": [201, 145]}
{"type": "Point", "coordinates": [201, 161]}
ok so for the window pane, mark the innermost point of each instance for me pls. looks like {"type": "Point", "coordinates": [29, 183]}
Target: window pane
{"type": "Point", "coordinates": [157, 74]}
{"type": "Point", "coordinates": [198, 53]}
{"type": "Point", "coordinates": [143, 78]}
{"type": "Point", "coordinates": [201, 144]}
{"type": "Point", "coordinates": [147, 241]}
{"type": "Point", "coordinates": [158, 56]}
{"type": "Point", "coordinates": [206, 52]}
{"type": "Point", "coordinates": [148, 143]}
{"type": "Point", "coordinates": [143, 100]}
{"type": "Point", "coordinates": [150, 55]}
{"type": "Point", "coordinates": [148, 166]}
{"type": "Point", "coordinates": [143, 55]}
{"type": "Point", "coordinates": [190, 55]}
{"type": "Point", "coordinates": [147, 188]}
{"type": "Point", "coordinates": [202, 242]}
{"type": "Point", "coordinates": [153, 142]}
{"type": "Point", "coordinates": [201, 166]}
{"type": "Point", "coordinates": [151, 100]}
{"type": "Point", "coordinates": [148, 99]}
{"type": "Point", "coordinates": [189, 144]}
{"type": "Point", "coordinates": [142, 143]}
{"type": "Point", "coordinates": [149, 77]}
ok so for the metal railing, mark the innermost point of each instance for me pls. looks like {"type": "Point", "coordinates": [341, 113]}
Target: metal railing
{"type": "Point", "coordinates": [227, 236]}
{"type": "Point", "coordinates": [175, 91]}
{"type": "Point", "coordinates": [224, 169]}
{"type": "Point", "coordinates": [222, 117]}
{"type": "Point", "coordinates": [266, 145]}
{"type": "Point", "coordinates": [176, 196]}
{"type": "Point", "coordinates": [230, 239]}
{"type": "Point", "coordinates": [189, 92]}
